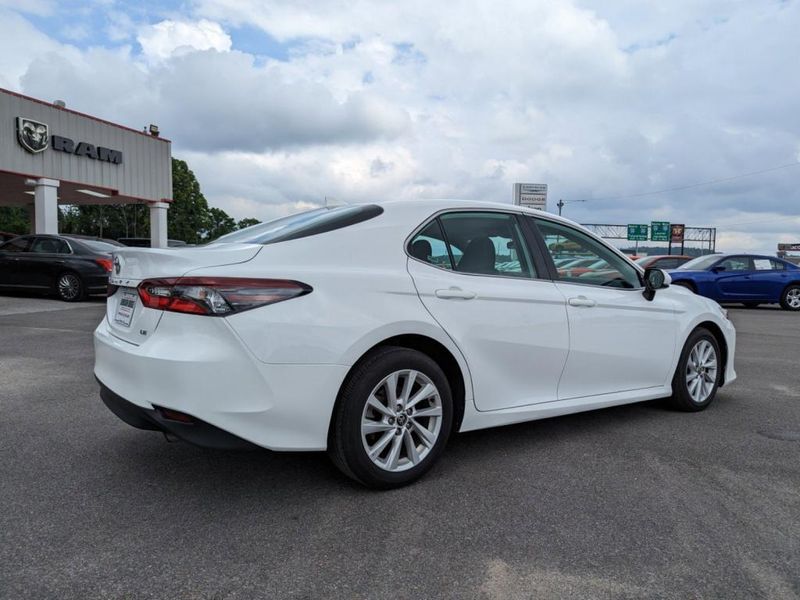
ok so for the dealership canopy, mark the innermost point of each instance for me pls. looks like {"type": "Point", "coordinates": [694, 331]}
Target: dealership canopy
{"type": "Point", "coordinates": [52, 155]}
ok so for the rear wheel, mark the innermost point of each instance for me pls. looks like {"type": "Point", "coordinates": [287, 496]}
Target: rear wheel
{"type": "Point", "coordinates": [790, 299]}
{"type": "Point", "coordinates": [69, 287]}
{"type": "Point", "coordinates": [696, 380]}
{"type": "Point", "coordinates": [393, 418]}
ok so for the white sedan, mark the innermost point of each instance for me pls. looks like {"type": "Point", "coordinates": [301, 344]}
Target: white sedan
{"type": "Point", "coordinates": [375, 331]}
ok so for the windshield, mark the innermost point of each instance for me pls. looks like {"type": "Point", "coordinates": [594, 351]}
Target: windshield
{"type": "Point", "coordinates": [700, 263]}
{"type": "Point", "coordinates": [311, 222]}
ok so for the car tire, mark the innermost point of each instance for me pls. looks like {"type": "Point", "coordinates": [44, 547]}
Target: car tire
{"type": "Point", "coordinates": [696, 381]}
{"type": "Point", "coordinates": [385, 447]}
{"type": "Point", "coordinates": [751, 304]}
{"type": "Point", "coordinates": [790, 298]}
{"type": "Point", "coordinates": [69, 287]}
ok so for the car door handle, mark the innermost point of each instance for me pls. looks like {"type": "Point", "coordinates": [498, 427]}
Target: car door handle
{"type": "Point", "coordinates": [582, 301]}
{"type": "Point", "coordinates": [454, 292]}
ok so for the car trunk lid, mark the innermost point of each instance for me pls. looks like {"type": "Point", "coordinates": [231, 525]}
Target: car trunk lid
{"type": "Point", "coordinates": [127, 318]}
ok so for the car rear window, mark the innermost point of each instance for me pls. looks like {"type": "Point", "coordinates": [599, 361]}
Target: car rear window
{"type": "Point", "coordinates": [99, 246]}
{"type": "Point", "coordinates": [304, 224]}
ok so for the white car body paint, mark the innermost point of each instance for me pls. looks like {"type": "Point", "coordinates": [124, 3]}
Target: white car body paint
{"type": "Point", "coordinates": [271, 375]}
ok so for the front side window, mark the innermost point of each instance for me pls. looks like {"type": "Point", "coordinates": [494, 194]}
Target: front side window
{"type": "Point", "coordinates": [735, 263]}
{"type": "Point", "coordinates": [597, 264]}
{"type": "Point", "coordinates": [17, 245]}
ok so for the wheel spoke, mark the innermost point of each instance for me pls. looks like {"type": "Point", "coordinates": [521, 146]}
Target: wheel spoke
{"type": "Point", "coordinates": [428, 437]}
{"type": "Point", "coordinates": [394, 453]}
{"type": "Point", "coordinates": [391, 390]}
{"type": "Point", "coordinates": [375, 451]}
{"type": "Point", "coordinates": [368, 426]}
{"type": "Point", "coordinates": [427, 391]}
{"type": "Point", "coordinates": [433, 411]}
{"type": "Point", "coordinates": [408, 385]}
{"type": "Point", "coordinates": [379, 406]}
{"type": "Point", "coordinates": [411, 446]}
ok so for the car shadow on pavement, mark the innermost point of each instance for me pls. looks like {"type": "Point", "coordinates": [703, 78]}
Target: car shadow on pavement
{"type": "Point", "coordinates": [182, 466]}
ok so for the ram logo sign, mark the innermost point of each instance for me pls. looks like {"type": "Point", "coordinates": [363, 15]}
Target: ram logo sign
{"type": "Point", "coordinates": [34, 137]}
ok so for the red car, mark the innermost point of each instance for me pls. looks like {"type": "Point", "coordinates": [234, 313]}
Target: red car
{"type": "Point", "coordinates": [663, 261]}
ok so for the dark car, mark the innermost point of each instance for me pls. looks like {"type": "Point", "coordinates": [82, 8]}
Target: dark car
{"type": "Point", "coordinates": [145, 242]}
{"type": "Point", "coordinates": [746, 278]}
{"type": "Point", "coordinates": [56, 264]}
{"type": "Point", "coordinates": [664, 262]}
{"type": "Point", "coordinates": [5, 236]}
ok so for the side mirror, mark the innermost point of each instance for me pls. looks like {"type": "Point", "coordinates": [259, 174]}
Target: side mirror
{"type": "Point", "coordinates": [654, 279]}
{"type": "Point", "coordinates": [718, 269]}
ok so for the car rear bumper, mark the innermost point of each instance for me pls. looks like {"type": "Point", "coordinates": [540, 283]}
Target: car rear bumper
{"type": "Point", "coordinates": [199, 366]}
{"type": "Point", "coordinates": [195, 431]}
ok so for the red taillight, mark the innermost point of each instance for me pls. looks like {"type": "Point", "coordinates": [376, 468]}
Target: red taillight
{"type": "Point", "coordinates": [105, 263]}
{"type": "Point", "coordinates": [217, 296]}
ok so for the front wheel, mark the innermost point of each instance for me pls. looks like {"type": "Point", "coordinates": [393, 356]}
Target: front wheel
{"type": "Point", "coordinates": [790, 299]}
{"type": "Point", "coordinates": [70, 287]}
{"type": "Point", "coordinates": [392, 419]}
{"type": "Point", "coordinates": [696, 380]}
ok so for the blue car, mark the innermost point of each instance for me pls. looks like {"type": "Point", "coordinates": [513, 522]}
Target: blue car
{"type": "Point", "coordinates": [745, 278]}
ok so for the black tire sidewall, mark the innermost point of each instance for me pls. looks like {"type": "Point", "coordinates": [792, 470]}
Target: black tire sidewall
{"type": "Point", "coordinates": [347, 441]}
{"type": "Point", "coordinates": [681, 398]}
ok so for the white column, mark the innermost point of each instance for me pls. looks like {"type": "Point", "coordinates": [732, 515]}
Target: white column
{"type": "Point", "coordinates": [158, 224]}
{"type": "Point", "coordinates": [45, 205]}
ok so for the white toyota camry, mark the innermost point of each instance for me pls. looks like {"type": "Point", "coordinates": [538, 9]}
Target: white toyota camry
{"type": "Point", "coordinates": [376, 331]}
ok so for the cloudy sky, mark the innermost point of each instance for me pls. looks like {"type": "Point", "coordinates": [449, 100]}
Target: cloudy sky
{"type": "Point", "coordinates": [278, 104]}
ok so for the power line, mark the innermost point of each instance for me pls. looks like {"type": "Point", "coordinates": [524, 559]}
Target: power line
{"type": "Point", "coordinates": [690, 186]}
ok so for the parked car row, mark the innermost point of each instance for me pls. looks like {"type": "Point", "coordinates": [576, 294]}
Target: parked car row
{"type": "Point", "coordinates": [743, 278]}
{"type": "Point", "coordinates": [70, 267]}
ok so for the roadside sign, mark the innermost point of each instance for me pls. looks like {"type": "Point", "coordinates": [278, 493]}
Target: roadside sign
{"type": "Point", "coordinates": [676, 233]}
{"type": "Point", "coordinates": [659, 231]}
{"type": "Point", "coordinates": [637, 233]}
{"type": "Point", "coordinates": [789, 247]}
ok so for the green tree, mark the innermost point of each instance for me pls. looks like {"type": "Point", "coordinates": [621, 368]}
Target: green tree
{"type": "Point", "coordinates": [14, 219]}
{"type": "Point", "coordinates": [188, 216]}
{"type": "Point", "coordinates": [247, 222]}
{"type": "Point", "coordinates": [218, 223]}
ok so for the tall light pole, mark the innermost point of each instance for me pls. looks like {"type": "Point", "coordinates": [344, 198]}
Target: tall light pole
{"type": "Point", "coordinates": [561, 204]}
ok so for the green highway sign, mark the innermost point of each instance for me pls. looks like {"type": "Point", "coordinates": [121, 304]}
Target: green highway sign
{"type": "Point", "coordinates": [660, 231]}
{"type": "Point", "coordinates": [637, 233]}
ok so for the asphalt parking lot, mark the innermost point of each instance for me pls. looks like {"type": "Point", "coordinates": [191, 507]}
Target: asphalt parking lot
{"type": "Point", "coordinates": [629, 502]}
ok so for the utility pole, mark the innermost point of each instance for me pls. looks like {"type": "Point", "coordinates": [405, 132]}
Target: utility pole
{"type": "Point", "coordinates": [560, 205]}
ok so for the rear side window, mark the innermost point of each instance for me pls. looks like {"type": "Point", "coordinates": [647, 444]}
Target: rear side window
{"type": "Point", "coordinates": [50, 246]}
{"type": "Point", "coordinates": [312, 222]}
{"type": "Point", "coordinates": [17, 245]}
{"type": "Point", "coordinates": [479, 243]}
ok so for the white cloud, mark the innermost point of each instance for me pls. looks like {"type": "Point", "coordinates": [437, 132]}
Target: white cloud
{"type": "Point", "coordinates": [168, 38]}
{"type": "Point", "coordinates": [460, 99]}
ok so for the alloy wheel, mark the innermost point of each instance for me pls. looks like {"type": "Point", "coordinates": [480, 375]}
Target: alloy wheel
{"type": "Point", "coordinates": [793, 298]}
{"type": "Point", "coordinates": [69, 286]}
{"type": "Point", "coordinates": [401, 420]}
{"type": "Point", "coordinates": [701, 371]}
